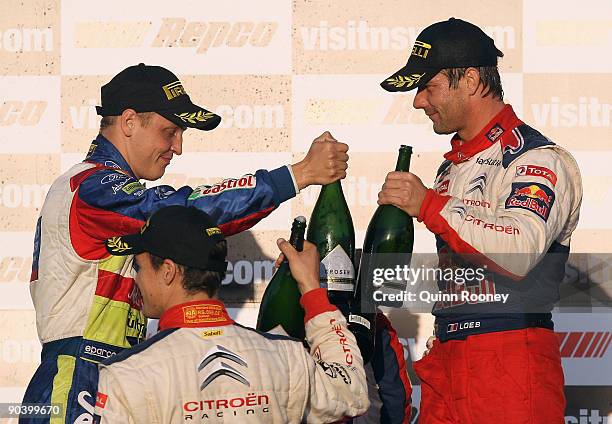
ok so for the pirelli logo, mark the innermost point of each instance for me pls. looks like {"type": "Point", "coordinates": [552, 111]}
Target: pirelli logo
{"type": "Point", "coordinates": [584, 344]}
{"type": "Point", "coordinates": [173, 90]}
{"type": "Point", "coordinates": [421, 49]}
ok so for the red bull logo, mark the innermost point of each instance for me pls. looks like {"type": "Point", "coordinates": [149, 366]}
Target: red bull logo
{"type": "Point", "coordinates": [535, 197]}
{"type": "Point", "coordinates": [534, 192]}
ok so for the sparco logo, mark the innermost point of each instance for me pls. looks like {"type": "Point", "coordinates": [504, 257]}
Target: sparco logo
{"type": "Point", "coordinates": [177, 32]}
{"type": "Point", "coordinates": [98, 351]}
{"type": "Point", "coordinates": [221, 368]}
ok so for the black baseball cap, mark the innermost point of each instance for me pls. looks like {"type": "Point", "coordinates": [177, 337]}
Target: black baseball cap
{"type": "Point", "coordinates": [448, 44]}
{"type": "Point", "coordinates": [147, 88]}
{"type": "Point", "coordinates": [184, 234]}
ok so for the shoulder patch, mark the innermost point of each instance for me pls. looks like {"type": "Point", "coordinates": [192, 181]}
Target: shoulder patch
{"type": "Point", "coordinates": [535, 197]}
{"type": "Point", "coordinates": [536, 171]}
{"type": "Point", "coordinates": [520, 140]}
{"type": "Point", "coordinates": [139, 347]}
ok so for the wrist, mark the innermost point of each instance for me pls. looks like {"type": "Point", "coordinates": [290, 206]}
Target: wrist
{"type": "Point", "coordinates": [300, 173]}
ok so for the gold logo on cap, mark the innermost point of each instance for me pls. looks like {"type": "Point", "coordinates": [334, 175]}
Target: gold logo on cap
{"type": "Point", "coordinates": [115, 244]}
{"type": "Point", "coordinates": [195, 117]}
{"type": "Point", "coordinates": [212, 231]}
{"type": "Point", "coordinates": [408, 80]}
{"type": "Point", "coordinates": [421, 49]}
{"type": "Point", "coordinates": [174, 89]}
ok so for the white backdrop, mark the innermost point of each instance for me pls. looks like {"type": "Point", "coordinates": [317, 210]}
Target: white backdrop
{"type": "Point", "coordinates": [279, 73]}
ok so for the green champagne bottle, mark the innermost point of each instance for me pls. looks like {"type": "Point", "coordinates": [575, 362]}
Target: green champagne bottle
{"type": "Point", "coordinates": [331, 230]}
{"type": "Point", "coordinates": [280, 311]}
{"type": "Point", "coordinates": [388, 242]}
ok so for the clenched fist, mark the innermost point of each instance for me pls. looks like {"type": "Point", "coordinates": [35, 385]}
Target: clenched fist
{"type": "Point", "coordinates": [403, 190]}
{"type": "Point", "coordinates": [325, 162]}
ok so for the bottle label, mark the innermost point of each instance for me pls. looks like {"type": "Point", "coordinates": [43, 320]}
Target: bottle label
{"type": "Point", "coordinates": [336, 271]}
{"type": "Point", "coordinates": [359, 320]}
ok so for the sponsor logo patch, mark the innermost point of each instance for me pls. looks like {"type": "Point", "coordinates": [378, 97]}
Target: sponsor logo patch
{"type": "Point", "coordinates": [248, 181]}
{"type": "Point", "coordinates": [211, 333]}
{"type": "Point", "coordinates": [133, 187]}
{"type": "Point", "coordinates": [534, 197]}
{"type": "Point", "coordinates": [443, 187]}
{"type": "Point", "coordinates": [101, 400]}
{"type": "Point", "coordinates": [495, 132]}
{"type": "Point", "coordinates": [536, 171]}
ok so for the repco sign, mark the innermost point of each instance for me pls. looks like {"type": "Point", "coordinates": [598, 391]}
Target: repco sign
{"type": "Point", "coordinates": [177, 32]}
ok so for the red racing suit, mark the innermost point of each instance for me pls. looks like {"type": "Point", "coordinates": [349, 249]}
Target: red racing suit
{"type": "Point", "coordinates": [87, 308]}
{"type": "Point", "coordinates": [505, 202]}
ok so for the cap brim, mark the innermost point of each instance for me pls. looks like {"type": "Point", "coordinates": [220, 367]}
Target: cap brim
{"type": "Point", "coordinates": [124, 245]}
{"type": "Point", "coordinates": [192, 117]}
{"type": "Point", "coordinates": [408, 78]}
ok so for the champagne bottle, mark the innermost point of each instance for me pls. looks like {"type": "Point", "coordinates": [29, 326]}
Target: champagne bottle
{"type": "Point", "coordinates": [388, 242]}
{"type": "Point", "coordinates": [331, 230]}
{"type": "Point", "coordinates": [280, 311]}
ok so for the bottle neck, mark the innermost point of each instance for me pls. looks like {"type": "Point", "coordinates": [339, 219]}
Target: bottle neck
{"type": "Point", "coordinates": [403, 160]}
{"type": "Point", "coordinates": [333, 189]}
{"type": "Point", "coordinates": [297, 236]}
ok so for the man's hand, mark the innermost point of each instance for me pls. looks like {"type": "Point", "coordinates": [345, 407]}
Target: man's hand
{"type": "Point", "coordinates": [304, 265]}
{"type": "Point", "coordinates": [325, 162]}
{"type": "Point", "coordinates": [404, 190]}
{"type": "Point", "coordinates": [429, 345]}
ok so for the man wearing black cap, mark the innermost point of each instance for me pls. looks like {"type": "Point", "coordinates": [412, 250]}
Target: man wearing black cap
{"type": "Point", "coordinates": [505, 200]}
{"type": "Point", "coordinates": [87, 308]}
{"type": "Point", "coordinates": [202, 366]}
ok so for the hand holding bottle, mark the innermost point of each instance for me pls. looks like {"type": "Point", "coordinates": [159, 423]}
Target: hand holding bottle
{"type": "Point", "coordinates": [304, 265]}
{"type": "Point", "coordinates": [403, 190]}
{"type": "Point", "coordinates": [325, 162]}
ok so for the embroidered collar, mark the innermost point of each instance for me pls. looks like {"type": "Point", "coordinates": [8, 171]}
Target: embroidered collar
{"type": "Point", "coordinates": [199, 313]}
{"type": "Point", "coordinates": [504, 121]}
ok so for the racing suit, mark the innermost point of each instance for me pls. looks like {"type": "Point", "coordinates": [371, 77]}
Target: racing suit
{"type": "Point", "coordinates": [505, 202]}
{"type": "Point", "coordinates": [87, 307]}
{"type": "Point", "coordinates": [202, 367]}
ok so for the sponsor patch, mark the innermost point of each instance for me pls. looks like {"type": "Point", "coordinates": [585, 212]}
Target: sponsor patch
{"type": "Point", "coordinates": [247, 181]}
{"type": "Point", "coordinates": [534, 197]}
{"type": "Point", "coordinates": [115, 176]}
{"type": "Point", "coordinates": [443, 187]}
{"type": "Point", "coordinates": [488, 161]}
{"type": "Point", "coordinates": [536, 171]}
{"type": "Point", "coordinates": [133, 187]}
{"type": "Point", "coordinates": [495, 132]}
{"type": "Point", "coordinates": [211, 333]}
{"type": "Point", "coordinates": [101, 400]}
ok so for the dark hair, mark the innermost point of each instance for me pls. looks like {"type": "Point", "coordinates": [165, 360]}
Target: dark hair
{"type": "Point", "coordinates": [108, 121]}
{"type": "Point", "coordinates": [196, 280]}
{"type": "Point", "coordinates": [489, 78]}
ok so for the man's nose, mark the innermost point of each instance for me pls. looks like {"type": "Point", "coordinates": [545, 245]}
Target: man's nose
{"type": "Point", "coordinates": [419, 102]}
{"type": "Point", "coordinates": [177, 145]}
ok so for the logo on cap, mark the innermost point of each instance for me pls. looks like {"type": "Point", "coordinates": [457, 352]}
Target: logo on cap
{"type": "Point", "coordinates": [213, 231]}
{"type": "Point", "coordinates": [420, 49]}
{"type": "Point", "coordinates": [408, 81]}
{"type": "Point", "coordinates": [173, 90]}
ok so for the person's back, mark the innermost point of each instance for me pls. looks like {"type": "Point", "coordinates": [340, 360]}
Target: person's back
{"type": "Point", "coordinates": [201, 366]}
{"type": "Point", "coordinates": [224, 372]}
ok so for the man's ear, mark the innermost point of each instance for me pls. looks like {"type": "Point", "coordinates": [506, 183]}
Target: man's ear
{"type": "Point", "coordinates": [171, 271]}
{"type": "Point", "coordinates": [128, 121]}
{"type": "Point", "coordinates": [472, 80]}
